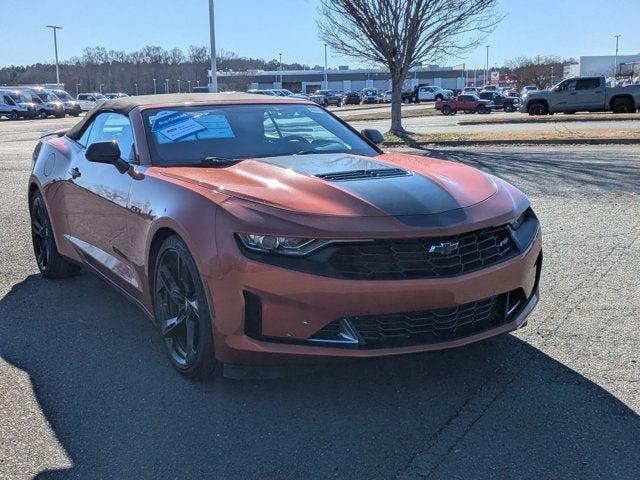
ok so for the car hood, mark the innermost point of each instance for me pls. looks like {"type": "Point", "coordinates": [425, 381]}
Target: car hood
{"type": "Point", "coordinates": [346, 185]}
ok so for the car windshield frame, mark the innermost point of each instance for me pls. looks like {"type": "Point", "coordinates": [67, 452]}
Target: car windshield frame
{"type": "Point", "coordinates": [166, 153]}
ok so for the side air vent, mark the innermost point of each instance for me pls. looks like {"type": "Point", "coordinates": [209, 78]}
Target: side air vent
{"type": "Point", "coordinates": [363, 174]}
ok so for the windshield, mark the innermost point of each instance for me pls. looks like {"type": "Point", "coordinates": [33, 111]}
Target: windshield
{"type": "Point", "coordinates": [48, 97]}
{"type": "Point", "coordinates": [191, 135]}
{"type": "Point", "coordinates": [64, 96]}
{"type": "Point", "coordinates": [100, 97]}
{"type": "Point", "coordinates": [18, 98]}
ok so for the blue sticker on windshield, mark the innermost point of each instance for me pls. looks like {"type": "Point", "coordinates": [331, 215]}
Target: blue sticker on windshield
{"type": "Point", "coordinates": [176, 125]}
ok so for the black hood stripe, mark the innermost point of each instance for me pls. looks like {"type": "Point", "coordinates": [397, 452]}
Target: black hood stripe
{"type": "Point", "coordinates": [412, 194]}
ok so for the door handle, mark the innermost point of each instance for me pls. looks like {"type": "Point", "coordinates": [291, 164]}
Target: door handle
{"type": "Point", "coordinates": [74, 172]}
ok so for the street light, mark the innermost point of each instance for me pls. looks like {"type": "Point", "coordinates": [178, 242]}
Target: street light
{"type": "Point", "coordinates": [189, 84]}
{"type": "Point", "coordinates": [615, 67]}
{"type": "Point", "coordinates": [136, 87]}
{"type": "Point", "coordinates": [280, 68]}
{"type": "Point", "coordinates": [166, 85]}
{"type": "Point", "coordinates": [326, 81]}
{"type": "Point", "coordinates": [213, 86]}
{"type": "Point", "coordinates": [55, 46]}
{"type": "Point", "coordinates": [77, 89]}
{"type": "Point", "coordinates": [155, 90]}
{"type": "Point", "coordinates": [486, 71]}
{"type": "Point", "coordinates": [101, 85]}
{"type": "Point", "coordinates": [179, 86]}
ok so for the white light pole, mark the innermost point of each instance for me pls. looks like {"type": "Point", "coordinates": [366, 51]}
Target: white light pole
{"type": "Point", "coordinates": [136, 87]}
{"type": "Point", "coordinates": [486, 70]}
{"type": "Point", "coordinates": [326, 81]}
{"type": "Point", "coordinates": [280, 68]}
{"type": "Point", "coordinates": [179, 86]}
{"type": "Point", "coordinates": [155, 90]}
{"type": "Point", "coordinates": [189, 85]}
{"type": "Point", "coordinates": [166, 85]}
{"type": "Point", "coordinates": [101, 85]}
{"type": "Point", "coordinates": [615, 66]}
{"type": "Point", "coordinates": [77, 89]}
{"type": "Point", "coordinates": [55, 46]}
{"type": "Point", "coordinates": [213, 86]}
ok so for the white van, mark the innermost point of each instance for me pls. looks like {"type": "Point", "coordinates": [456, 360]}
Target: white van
{"type": "Point", "coordinates": [47, 104]}
{"type": "Point", "coordinates": [89, 100]}
{"type": "Point", "coordinates": [15, 105]}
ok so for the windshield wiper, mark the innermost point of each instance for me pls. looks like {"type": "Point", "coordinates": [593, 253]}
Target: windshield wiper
{"type": "Point", "coordinates": [218, 162]}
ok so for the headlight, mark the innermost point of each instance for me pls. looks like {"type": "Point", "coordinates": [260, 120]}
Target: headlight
{"type": "Point", "coordinates": [520, 220]}
{"type": "Point", "coordinates": [279, 245]}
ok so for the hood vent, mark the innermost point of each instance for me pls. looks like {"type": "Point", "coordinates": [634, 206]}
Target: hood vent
{"type": "Point", "coordinates": [363, 174]}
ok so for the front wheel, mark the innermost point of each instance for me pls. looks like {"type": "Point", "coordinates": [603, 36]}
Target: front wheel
{"type": "Point", "coordinates": [446, 110]}
{"type": "Point", "coordinates": [508, 108]}
{"type": "Point", "coordinates": [182, 310]}
{"type": "Point", "coordinates": [538, 108]}
{"type": "Point", "coordinates": [51, 264]}
{"type": "Point", "coordinates": [14, 115]}
{"type": "Point", "coordinates": [482, 109]}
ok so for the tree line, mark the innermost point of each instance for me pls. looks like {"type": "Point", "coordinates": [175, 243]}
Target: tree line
{"type": "Point", "coordinates": [118, 71]}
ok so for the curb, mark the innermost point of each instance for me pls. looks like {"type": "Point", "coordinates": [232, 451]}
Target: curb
{"type": "Point", "coordinates": [560, 141]}
{"type": "Point", "coordinates": [561, 119]}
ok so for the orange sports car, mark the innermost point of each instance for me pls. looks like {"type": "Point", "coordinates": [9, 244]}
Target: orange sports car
{"type": "Point", "coordinates": [265, 231]}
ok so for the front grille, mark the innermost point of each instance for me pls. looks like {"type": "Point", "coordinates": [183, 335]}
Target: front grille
{"type": "Point", "coordinates": [424, 327]}
{"type": "Point", "coordinates": [363, 174]}
{"type": "Point", "coordinates": [423, 258]}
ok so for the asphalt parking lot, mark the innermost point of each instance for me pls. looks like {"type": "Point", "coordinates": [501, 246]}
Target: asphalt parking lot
{"type": "Point", "coordinates": [86, 391]}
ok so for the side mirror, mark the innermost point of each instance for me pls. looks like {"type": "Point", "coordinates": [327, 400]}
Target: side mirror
{"type": "Point", "coordinates": [374, 136]}
{"type": "Point", "coordinates": [107, 152]}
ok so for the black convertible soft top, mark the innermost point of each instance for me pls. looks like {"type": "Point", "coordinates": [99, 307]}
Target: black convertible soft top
{"type": "Point", "coordinates": [124, 105]}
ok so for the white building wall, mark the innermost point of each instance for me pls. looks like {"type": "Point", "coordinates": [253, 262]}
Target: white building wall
{"type": "Point", "coordinates": [603, 64]}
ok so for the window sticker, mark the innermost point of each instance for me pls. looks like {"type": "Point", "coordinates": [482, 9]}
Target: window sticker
{"type": "Point", "coordinates": [217, 126]}
{"type": "Point", "coordinates": [176, 125]}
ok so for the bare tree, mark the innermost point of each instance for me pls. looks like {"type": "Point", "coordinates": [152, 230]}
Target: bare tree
{"type": "Point", "coordinates": [542, 71]}
{"type": "Point", "coordinates": [401, 33]}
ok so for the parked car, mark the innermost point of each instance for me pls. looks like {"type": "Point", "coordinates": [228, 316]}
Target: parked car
{"type": "Point", "coordinates": [352, 98]}
{"type": "Point", "coordinates": [590, 94]}
{"type": "Point", "coordinates": [14, 105]}
{"type": "Point", "coordinates": [528, 88]}
{"type": "Point", "coordinates": [270, 93]}
{"type": "Point", "coordinates": [381, 95]}
{"type": "Point", "coordinates": [388, 96]}
{"type": "Point", "coordinates": [471, 90]}
{"type": "Point", "coordinates": [491, 88]}
{"type": "Point", "coordinates": [47, 103]}
{"type": "Point", "coordinates": [432, 93]}
{"type": "Point", "coordinates": [283, 92]}
{"type": "Point", "coordinates": [243, 252]}
{"type": "Point", "coordinates": [113, 95]}
{"type": "Point", "coordinates": [71, 106]}
{"type": "Point", "coordinates": [501, 101]}
{"type": "Point", "coordinates": [326, 98]}
{"type": "Point", "coordinates": [88, 101]}
{"type": "Point", "coordinates": [370, 95]}
{"type": "Point", "coordinates": [468, 103]}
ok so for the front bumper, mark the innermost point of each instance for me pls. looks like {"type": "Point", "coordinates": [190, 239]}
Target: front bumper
{"type": "Point", "coordinates": [293, 306]}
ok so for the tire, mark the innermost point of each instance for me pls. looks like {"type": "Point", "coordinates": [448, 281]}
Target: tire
{"type": "Point", "coordinates": [469, 112]}
{"type": "Point", "coordinates": [439, 98]}
{"type": "Point", "coordinates": [538, 108]}
{"type": "Point", "coordinates": [482, 109]}
{"type": "Point", "coordinates": [13, 115]}
{"type": "Point", "coordinates": [59, 115]}
{"type": "Point", "coordinates": [508, 108]}
{"type": "Point", "coordinates": [446, 110]}
{"type": "Point", "coordinates": [51, 264]}
{"type": "Point", "coordinates": [43, 114]}
{"type": "Point", "coordinates": [622, 105]}
{"type": "Point", "coordinates": [182, 310]}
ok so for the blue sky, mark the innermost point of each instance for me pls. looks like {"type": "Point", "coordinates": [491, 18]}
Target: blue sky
{"type": "Point", "coordinates": [263, 28]}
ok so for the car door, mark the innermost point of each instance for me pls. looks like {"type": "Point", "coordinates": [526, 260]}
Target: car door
{"type": "Point", "coordinates": [97, 201]}
{"type": "Point", "coordinates": [564, 98]}
{"type": "Point", "coordinates": [590, 94]}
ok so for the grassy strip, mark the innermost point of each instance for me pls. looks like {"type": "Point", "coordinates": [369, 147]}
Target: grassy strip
{"type": "Point", "coordinates": [365, 117]}
{"type": "Point", "coordinates": [511, 136]}
{"type": "Point", "coordinates": [525, 118]}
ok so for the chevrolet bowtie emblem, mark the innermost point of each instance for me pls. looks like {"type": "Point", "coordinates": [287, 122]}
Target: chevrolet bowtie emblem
{"type": "Point", "coordinates": [443, 248]}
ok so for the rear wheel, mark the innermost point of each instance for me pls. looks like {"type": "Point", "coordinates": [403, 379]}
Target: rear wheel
{"type": "Point", "coordinates": [446, 110]}
{"type": "Point", "coordinates": [182, 310]}
{"type": "Point", "coordinates": [508, 108]}
{"type": "Point", "coordinates": [51, 264]}
{"type": "Point", "coordinates": [482, 109]}
{"type": "Point", "coordinates": [13, 115]}
{"type": "Point", "coordinates": [623, 105]}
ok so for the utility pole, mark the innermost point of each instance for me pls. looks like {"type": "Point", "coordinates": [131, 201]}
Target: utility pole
{"type": "Point", "coordinates": [77, 89]}
{"type": "Point", "coordinates": [213, 86]}
{"type": "Point", "coordinates": [166, 85]}
{"type": "Point", "coordinates": [280, 68]}
{"type": "Point", "coordinates": [136, 87]}
{"type": "Point", "coordinates": [101, 85]}
{"type": "Point", "coordinates": [615, 66]}
{"type": "Point", "coordinates": [55, 46]}
{"type": "Point", "coordinates": [189, 85]}
{"type": "Point", "coordinates": [551, 74]}
{"type": "Point", "coordinates": [179, 86]}
{"type": "Point", "coordinates": [326, 81]}
{"type": "Point", "coordinates": [486, 70]}
{"type": "Point", "coordinates": [155, 90]}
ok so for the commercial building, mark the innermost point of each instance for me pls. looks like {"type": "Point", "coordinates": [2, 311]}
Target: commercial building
{"type": "Point", "coordinates": [342, 79]}
{"type": "Point", "coordinates": [606, 64]}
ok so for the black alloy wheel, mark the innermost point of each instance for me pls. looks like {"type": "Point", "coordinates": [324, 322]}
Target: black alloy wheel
{"type": "Point", "coordinates": [182, 312]}
{"type": "Point", "coordinates": [40, 233]}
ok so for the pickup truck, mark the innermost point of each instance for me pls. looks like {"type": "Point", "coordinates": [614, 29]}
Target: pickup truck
{"type": "Point", "coordinates": [468, 103]}
{"type": "Point", "coordinates": [580, 94]}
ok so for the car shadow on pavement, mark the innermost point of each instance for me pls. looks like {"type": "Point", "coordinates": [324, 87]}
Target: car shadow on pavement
{"type": "Point", "coordinates": [498, 409]}
{"type": "Point", "coordinates": [535, 169]}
